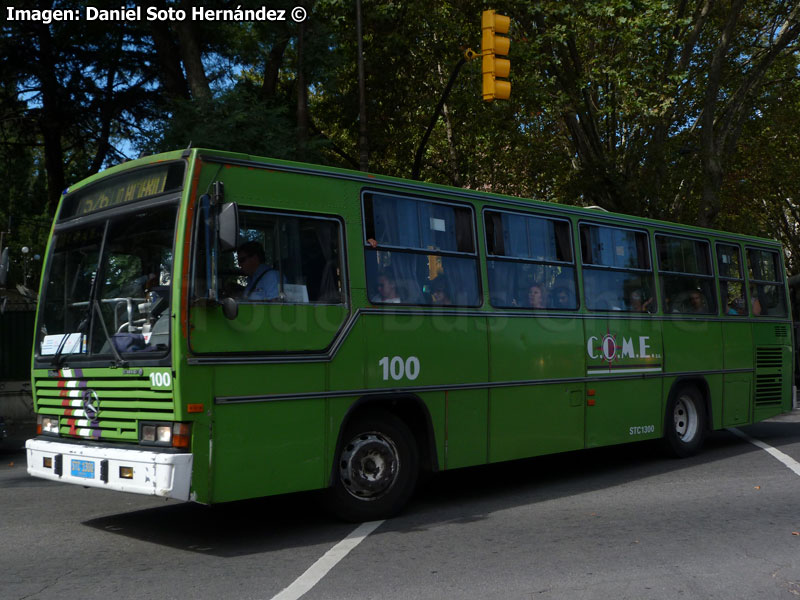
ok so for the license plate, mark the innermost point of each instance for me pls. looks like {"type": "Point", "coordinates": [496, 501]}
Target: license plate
{"type": "Point", "coordinates": [82, 468]}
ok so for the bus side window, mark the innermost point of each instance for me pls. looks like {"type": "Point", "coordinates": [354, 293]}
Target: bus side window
{"type": "Point", "coordinates": [767, 291]}
{"type": "Point", "coordinates": [420, 252]}
{"type": "Point", "coordinates": [529, 260]}
{"type": "Point", "coordinates": [617, 273]}
{"type": "Point", "coordinates": [687, 280]}
{"type": "Point", "coordinates": [299, 256]}
{"type": "Point", "coordinates": [731, 280]}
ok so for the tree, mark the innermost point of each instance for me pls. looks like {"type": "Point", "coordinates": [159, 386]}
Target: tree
{"type": "Point", "coordinates": [644, 89]}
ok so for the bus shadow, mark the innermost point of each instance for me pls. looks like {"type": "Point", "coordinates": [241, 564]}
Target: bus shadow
{"type": "Point", "coordinates": [480, 491]}
{"type": "Point", "coordinates": [231, 529]}
{"type": "Point", "coordinates": [462, 496]}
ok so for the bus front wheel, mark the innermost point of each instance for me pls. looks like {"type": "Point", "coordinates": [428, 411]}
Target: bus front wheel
{"type": "Point", "coordinates": [376, 469]}
{"type": "Point", "coordinates": [685, 422]}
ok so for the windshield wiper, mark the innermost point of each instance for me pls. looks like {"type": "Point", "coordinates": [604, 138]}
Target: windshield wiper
{"type": "Point", "coordinates": [118, 361]}
{"type": "Point", "coordinates": [81, 326]}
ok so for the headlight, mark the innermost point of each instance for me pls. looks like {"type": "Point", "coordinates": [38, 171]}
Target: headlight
{"type": "Point", "coordinates": [175, 435]}
{"type": "Point", "coordinates": [47, 424]}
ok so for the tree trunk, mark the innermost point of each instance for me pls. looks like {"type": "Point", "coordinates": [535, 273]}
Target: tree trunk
{"type": "Point", "coordinates": [363, 140]}
{"type": "Point", "coordinates": [192, 57]}
{"type": "Point", "coordinates": [168, 57]}
{"type": "Point", "coordinates": [50, 121]}
{"type": "Point", "coordinates": [273, 66]}
{"type": "Point", "coordinates": [455, 176]}
{"type": "Point", "coordinates": [302, 96]}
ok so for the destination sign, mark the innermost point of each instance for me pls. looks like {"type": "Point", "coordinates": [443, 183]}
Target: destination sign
{"type": "Point", "coordinates": [125, 188]}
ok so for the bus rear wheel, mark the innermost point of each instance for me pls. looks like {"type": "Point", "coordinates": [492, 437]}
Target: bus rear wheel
{"type": "Point", "coordinates": [376, 469]}
{"type": "Point", "coordinates": [685, 422]}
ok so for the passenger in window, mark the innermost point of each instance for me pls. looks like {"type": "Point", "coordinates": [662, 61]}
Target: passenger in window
{"type": "Point", "coordinates": [536, 296]}
{"type": "Point", "coordinates": [263, 282]}
{"type": "Point", "coordinates": [561, 298]}
{"type": "Point", "coordinates": [637, 302]}
{"type": "Point", "coordinates": [387, 290]}
{"type": "Point", "coordinates": [439, 296]}
{"type": "Point", "coordinates": [755, 303]}
{"type": "Point", "coordinates": [734, 305]}
{"type": "Point", "coordinates": [697, 302]}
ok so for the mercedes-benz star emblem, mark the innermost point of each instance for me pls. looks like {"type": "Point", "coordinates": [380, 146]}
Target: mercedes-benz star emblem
{"type": "Point", "coordinates": [90, 404]}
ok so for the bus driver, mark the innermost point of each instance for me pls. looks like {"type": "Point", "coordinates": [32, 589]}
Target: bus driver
{"type": "Point", "coordinates": [262, 280]}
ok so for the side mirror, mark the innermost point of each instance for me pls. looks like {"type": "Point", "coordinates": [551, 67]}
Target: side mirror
{"type": "Point", "coordinates": [228, 226]}
{"type": "Point", "coordinates": [230, 308]}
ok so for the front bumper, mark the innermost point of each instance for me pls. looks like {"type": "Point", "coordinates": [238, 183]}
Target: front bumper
{"type": "Point", "coordinates": [154, 473]}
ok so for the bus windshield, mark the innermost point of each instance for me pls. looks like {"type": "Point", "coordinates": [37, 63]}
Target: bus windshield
{"type": "Point", "coordinates": [107, 288]}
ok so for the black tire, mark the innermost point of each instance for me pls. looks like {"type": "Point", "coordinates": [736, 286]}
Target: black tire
{"type": "Point", "coordinates": [376, 469]}
{"type": "Point", "coordinates": [685, 422]}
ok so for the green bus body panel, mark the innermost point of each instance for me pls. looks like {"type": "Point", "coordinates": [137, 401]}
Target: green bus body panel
{"type": "Point", "coordinates": [737, 400]}
{"type": "Point", "coordinates": [269, 448]}
{"type": "Point", "coordinates": [535, 419]}
{"type": "Point", "coordinates": [466, 434]}
{"type": "Point", "coordinates": [624, 410]}
{"type": "Point", "coordinates": [693, 346]}
{"type": "Point", "coordinates": [266, 328]}
{"type": "Point", "coordinates": [277, 385]}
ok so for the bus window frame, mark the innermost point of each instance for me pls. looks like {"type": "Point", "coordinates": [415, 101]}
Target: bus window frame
{"type": "Point", "coordinates": [517, 259]}
{"type": "Point", "coordinates": [782, 282]}
{"type": "Point", "coordinates": [157, 359]}
{"type": "Point", "coordinates": [723, 279]}
{"type": "Point", "coordinates": [379, 247]}
{"type": "Point", "coordinates": [608, 268]}
{"type": "Point", "coordinates": [243, 209]}
{"type": "Point", "coordinates": [712, 277]}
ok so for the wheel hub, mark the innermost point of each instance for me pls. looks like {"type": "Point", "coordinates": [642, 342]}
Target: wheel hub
{"type": "Point", "coordinates": [685, 419]}
{"type": "Point", "coordinates": [369, 466]}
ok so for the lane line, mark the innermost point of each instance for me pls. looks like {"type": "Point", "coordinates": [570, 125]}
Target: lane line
{"type": "Point", "coordinates": [319, 569]}
{"type": "Point", "coordinates": [787, 460]}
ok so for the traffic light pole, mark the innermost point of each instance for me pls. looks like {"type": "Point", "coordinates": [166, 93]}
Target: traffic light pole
{"type": "Point", "coordinates": [424, 142]}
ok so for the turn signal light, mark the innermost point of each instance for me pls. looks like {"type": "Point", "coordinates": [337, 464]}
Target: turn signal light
{"type": "Point", "coordinates": [180, 435]}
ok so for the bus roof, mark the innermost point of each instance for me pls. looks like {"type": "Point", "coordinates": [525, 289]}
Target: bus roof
{"type": "Point", "coordinates": [411, 186]}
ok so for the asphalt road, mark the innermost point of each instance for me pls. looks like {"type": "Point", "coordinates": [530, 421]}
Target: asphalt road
{"type": "Point", "coordinates": [622, 522]}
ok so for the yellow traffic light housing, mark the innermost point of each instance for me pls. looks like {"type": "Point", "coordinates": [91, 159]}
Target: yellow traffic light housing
{"type": "Point", "coordinates": [492, 46]}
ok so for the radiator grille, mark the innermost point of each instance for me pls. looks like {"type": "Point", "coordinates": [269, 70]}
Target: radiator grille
{"type": "Point", "coordinates": [102, 407]}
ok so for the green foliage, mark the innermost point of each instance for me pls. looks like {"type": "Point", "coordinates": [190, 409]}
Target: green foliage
{"type": "Point", "coordinates": [655, 108]}
{"type": "Point", "coordinates": [235, 120]}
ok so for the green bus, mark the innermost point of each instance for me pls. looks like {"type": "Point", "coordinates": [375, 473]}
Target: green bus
{"type": "Point", "coordinates": [215, 326]}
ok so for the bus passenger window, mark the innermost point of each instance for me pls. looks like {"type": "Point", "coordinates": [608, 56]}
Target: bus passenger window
{"type": "Point", "coordinates": [419, 252]}
{"type": "Point", "coordinates": [767, 291]}
{"type": "Point", "coordinates": [285, 259]}
{"type": "Point", "coordinates": [617, 273]}
{"type": "Point", "coordinates": [687, 281]}
{"type": "Point", "coordinates": [530, 261]}
{"type": "Point", "coordinates": [731, 280]}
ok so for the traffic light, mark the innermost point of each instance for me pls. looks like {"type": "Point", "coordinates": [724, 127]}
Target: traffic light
{"type": "Point", "coordinates": [493, 45]}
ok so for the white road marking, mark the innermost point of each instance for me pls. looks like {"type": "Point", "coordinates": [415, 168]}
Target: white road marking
{"type": "Point", "coordinates": [784, 458]}
{"type": "Point", "coordinates": [319, 569]}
